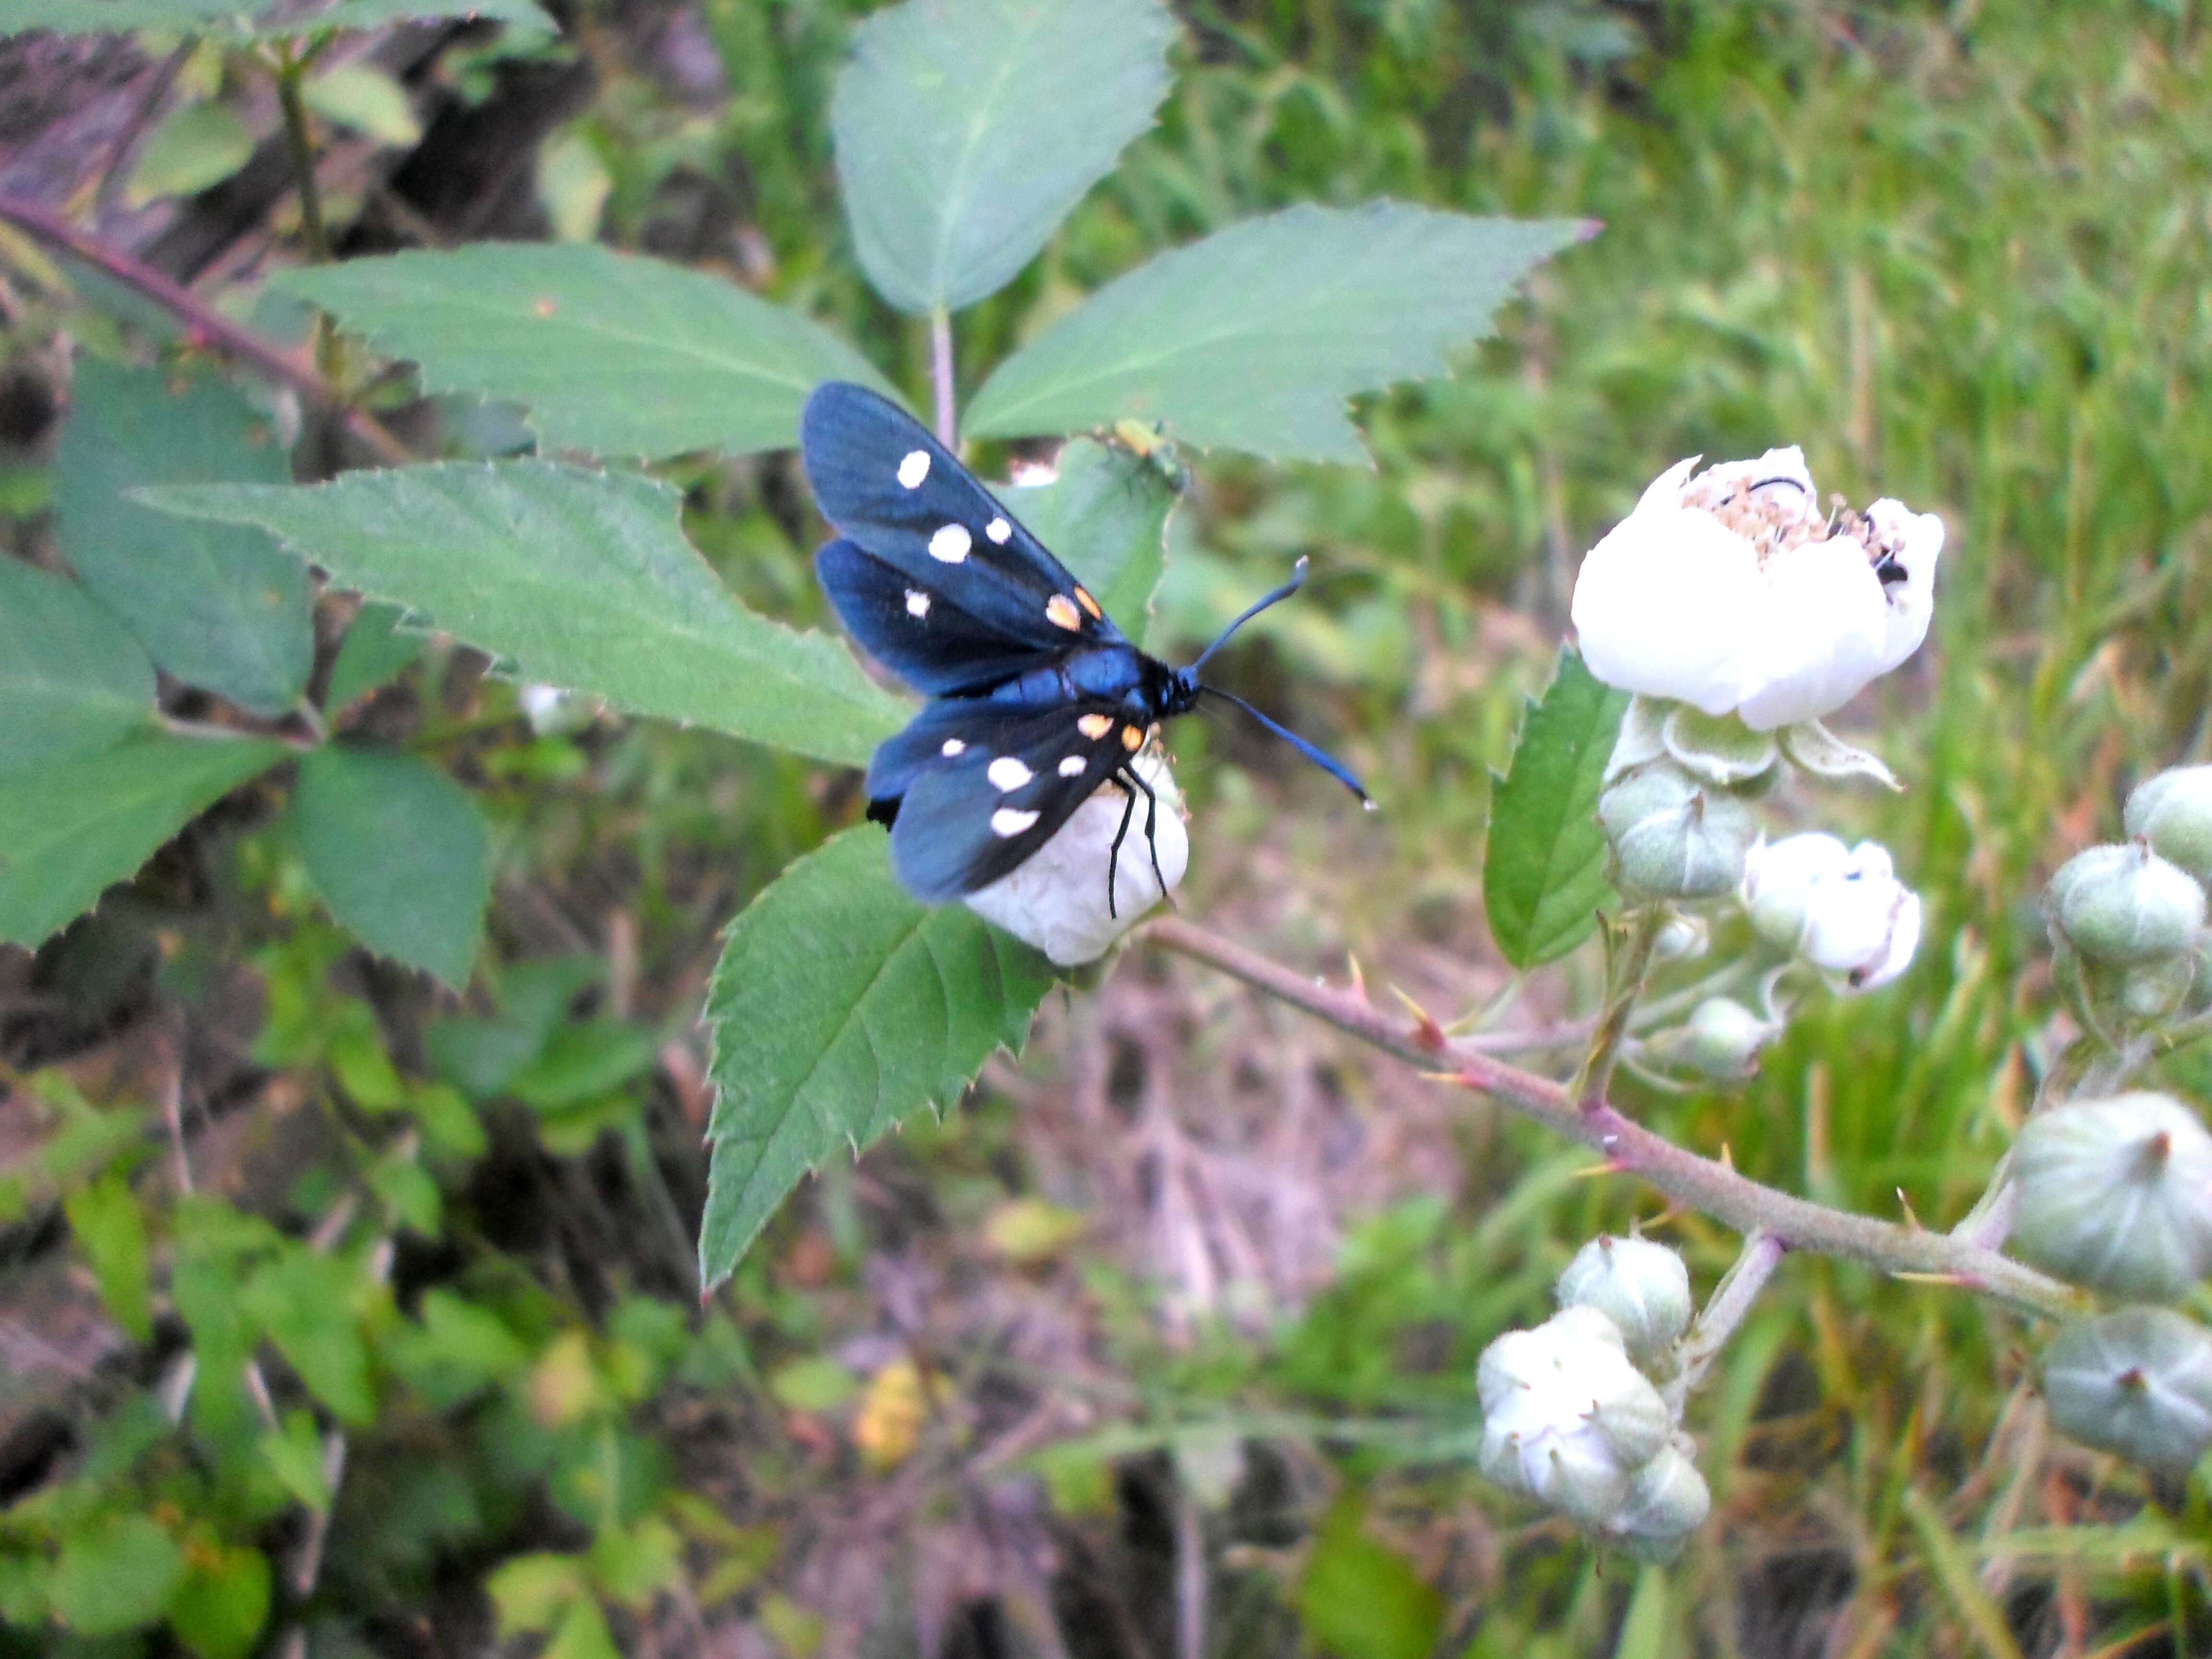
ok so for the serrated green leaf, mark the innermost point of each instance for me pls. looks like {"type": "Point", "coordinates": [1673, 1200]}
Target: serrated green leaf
{"type": "Point", "coordinates": [217, 606]}
{"type": "Point", "coordinates": [197, 145]}
{"type": "Point", "coordinates": [967, 130]}
{"type": "Point", "coordinates": [116, 1572]}
{"type": "Point", "coordinates": [110, 1230]}
{"type": "Point", "coordinates": [366, 99]}
{"type": "Point", "coordinates": [69, 827]}
{"type": "Point", "coordinates": [582, 579]}
{"type": "Point", "coordinates": [614, 353]}
{"type": "Point", "coordinates": [1362, 1600]}
{"type": "Point", "coordinates": [839, 1006]}
{"type": "Point", "coordinates": [399, 852]}
{"type": "Point", "coordinates": [1106, 517]}
{"type": "Point", "coordinates": [1543, 874]}
{"type": "Point", "coordinates": [1254, 338]}
{"type": "Point", "coordinates": [220, 1608]}
{"type": "Point", "coordinates": [71, 678]}
{"type": "Point", "coordinates": [235, 20]}
{"type": "Point", "coordinates": [376, 651]}
{"type": "Point", "coordinates": [528, 1592]}
{"type": "Point", "coordinates": [305, 1301]}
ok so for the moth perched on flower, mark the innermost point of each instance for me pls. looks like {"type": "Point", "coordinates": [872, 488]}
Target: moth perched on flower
{"type": "Point", "coordinates": [1037, 700]}
{"type": "Point", "coordinates": [1734, 592]}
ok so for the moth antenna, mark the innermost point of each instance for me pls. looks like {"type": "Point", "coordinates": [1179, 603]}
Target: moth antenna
{"type": "Point", "coordinates": [1297, 581]}
{"type": "Point", "coordinates": [1328, 763]}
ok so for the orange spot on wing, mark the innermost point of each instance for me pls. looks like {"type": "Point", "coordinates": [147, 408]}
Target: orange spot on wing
{"type": "Point", "coordinates": [1083, 598]}
{"type": "Point", "coordinates": [1095, 727]}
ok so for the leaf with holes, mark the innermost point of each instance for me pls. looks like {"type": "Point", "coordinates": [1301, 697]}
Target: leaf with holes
{"type": "Point", "coordinates": [217, 606]}
{"type": "Point", "coordinates": [1254, 338]}
{"type": "Point", "coordinates": [1543, 874]}
{"type": "Point", "coordinates": [840, 1007]}
{"type": "Point", "coordinates": [580, 579]}
{"type": "Point", "coordinates": [967, 130]}
{"type": "Point", "coordinates": [71, 678]}
{"type": "Point", "coordinates": [71, 826]}
{"type": "Point", "coordinates": [613, 354]}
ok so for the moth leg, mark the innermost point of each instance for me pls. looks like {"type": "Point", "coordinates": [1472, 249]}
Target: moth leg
{"type": "Point", "coordinates": [1114, 854]}
{"type": "Point", "coordinates": [1152, 828]}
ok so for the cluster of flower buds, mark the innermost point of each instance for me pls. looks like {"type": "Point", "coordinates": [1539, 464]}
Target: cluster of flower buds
{"type": "Point", "coordinates": [2115, 1192]}
{"type": "Point", "coordinates": [1739, 611]}
{"type": "Point", "coordinates": [2127, 921]}
{"type": "Point", "coordinates": [1571, 1416]}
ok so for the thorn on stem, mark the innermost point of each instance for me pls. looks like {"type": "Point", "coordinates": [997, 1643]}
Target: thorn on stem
{"type": "Point", "coordinates": [1427, 1033]}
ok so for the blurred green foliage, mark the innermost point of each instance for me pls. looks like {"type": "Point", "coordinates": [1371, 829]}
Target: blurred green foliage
{"type": "Point", "coordinates": [1959, 254]}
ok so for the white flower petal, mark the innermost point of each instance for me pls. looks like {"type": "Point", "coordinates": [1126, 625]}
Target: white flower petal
{"type": "Point", "coordinates": [1663, 604]}
{"type": "Point", "coordinates": [1917, 541]}
{"type": "Point", "coordinates": [1820, 640]}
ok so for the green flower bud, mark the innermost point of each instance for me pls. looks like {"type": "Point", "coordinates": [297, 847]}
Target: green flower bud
{"type": "Point", "coordinates": [2138, 1382]}
{"type": "Point", "coordinates": [1721, 1040]}
{"type": "Point", "coordinates": [2157, 990]}
{"type": "Point", "coordinates": [1667, 1500]}
{"type": "Point", "coordinates": [1642, 1287]}
{"type": "Point", "coordinates": [2173, 812]}
{"type": "Point", "coordinates": [2117, 1194]}
{"type": "Point", "coordinates": [2124, 906]}
{"type": "Point", "coordinates": [1566, 1419]}
{"type": "Point", "coordinates": [1682, 938]}
{"type": "Point", "coordinates": [1674, 838]}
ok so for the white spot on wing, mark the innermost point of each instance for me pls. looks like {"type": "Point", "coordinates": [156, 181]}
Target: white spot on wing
{"type": "Point", "coordinates": [1007, 821]}
{"type": "Point", "coordinates": [914, 469]}
{"type": "Point", "coordinates": [998, 530]}
{"type": "Point", "coordinates": [917, 603]}
{"type": "Point", "coordinates": [951, 543]}
{"type": "Point", "coordinates": [1008, 773]}
{"type": "Point", "coordinates": [1072, 767]}
{"type": "Point", "coordinates": [953, 747]}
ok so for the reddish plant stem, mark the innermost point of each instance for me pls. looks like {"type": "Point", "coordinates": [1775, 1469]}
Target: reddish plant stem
{"type": "Point", "coordinates": [208, 327]}
{"type": "Point", "coordinates": [1698, 1183]}
{"type": "Point", "coordinates": [940, 376]}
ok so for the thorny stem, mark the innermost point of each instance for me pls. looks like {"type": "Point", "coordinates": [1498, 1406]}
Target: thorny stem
{"type": "Point", "coordinates": [206, 327]}
{"type": "Point", "coordinates": [1698, 1183]}
{"type": "Point", "coordinates": [940, 373]}
{"type": "Point", "coordinates": [1723, 1311]}
{"type": "Point", "coordinates": [1627, 964]}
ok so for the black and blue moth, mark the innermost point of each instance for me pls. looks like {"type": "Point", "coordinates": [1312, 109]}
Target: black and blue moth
{"type": "Point", "coordinates": [1036, 699]}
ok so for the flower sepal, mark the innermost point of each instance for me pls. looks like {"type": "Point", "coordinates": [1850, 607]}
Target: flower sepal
{"type": "Point", "coordinates": [1811, 747]}
{"type": "Point", "coordinates": [1667, 1500]}
{"type": "Point", "coordinates": [1642, 1287]}
{"type": "Point", "coordinates": [2117, 1194]}
{"type": "Point", "coordinates": [1721, 749]}
{"type": "Point", "coordinates": [2138, 1382]}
